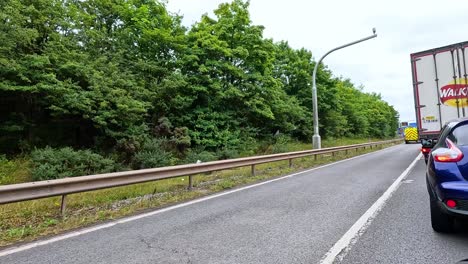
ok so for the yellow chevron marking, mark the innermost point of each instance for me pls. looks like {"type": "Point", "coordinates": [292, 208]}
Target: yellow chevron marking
{"type": "Point", "coordinates": [411, 133]}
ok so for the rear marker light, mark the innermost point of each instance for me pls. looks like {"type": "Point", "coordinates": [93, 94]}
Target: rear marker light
{"type": "Point", "coordinates": [425, 150]}
{"type": "Point", "coordinates": [451, 203]}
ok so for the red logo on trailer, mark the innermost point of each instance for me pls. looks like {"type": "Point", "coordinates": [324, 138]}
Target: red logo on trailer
{"type": "Point", "coordinates": [453, 92]}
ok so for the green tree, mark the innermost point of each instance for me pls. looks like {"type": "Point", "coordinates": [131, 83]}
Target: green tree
{"type": "Point", "coordinates": [229, 66]}
{"type": "Point", "coordinates": [28, 29]}
{"type": "Point", "coordinates": [109, 74]}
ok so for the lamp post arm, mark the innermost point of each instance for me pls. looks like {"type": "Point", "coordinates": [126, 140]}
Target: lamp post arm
{"type": "Point", "coordinates": [316, 138]}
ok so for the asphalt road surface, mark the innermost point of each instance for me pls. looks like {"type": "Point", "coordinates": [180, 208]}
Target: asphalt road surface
{"type": "Point", "coordinates": [402, 233]}
{"type": "Point", "coordinates": [295, 219]}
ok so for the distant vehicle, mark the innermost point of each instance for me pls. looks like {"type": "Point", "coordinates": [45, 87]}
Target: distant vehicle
{"type": "Point", "coordinates": [411, 134]}
{"type": "Point", "coordinates": [447, 176]}
{"type": "Point", "coordinates": [440, 78]}
{"type": "Point", "coordinates": [405, 124]}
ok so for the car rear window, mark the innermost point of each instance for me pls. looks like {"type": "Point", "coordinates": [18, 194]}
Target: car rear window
{"type": "Point", "coordinates": [459, 135]}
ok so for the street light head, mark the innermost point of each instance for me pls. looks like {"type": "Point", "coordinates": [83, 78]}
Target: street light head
{"type": "Point", "coordinates": [374, 30]}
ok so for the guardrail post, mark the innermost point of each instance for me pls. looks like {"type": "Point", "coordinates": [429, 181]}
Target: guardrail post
{"type": "Point", "coordinates": [252, 170]}
{"type": "Point", "coordinates": [315, 157]}
{"type": "Point", "coordinates": [370, 146]}
{"type": "Point", "coordinates": [190, 180]}
{"type": "Point", "coordinates": [290, 163]}
{"type": "Point", "coordinates": [333, 153]}
{"type": "Point", "coordinates": [63, 205]}
{"type": "Point", "coordinates": [346, 152]}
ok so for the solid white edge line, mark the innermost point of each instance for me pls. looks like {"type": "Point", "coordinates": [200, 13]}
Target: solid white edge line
{"type": "Point", "coordinates": [342, 246]}
{"type": "Point", "coordinates": [83, 231]}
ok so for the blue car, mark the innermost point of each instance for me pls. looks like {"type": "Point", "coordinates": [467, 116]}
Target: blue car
{"type": "Point", "coordinates": [447, 176]}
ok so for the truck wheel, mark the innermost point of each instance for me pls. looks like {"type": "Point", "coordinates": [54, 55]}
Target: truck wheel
{"type": "Point", "coordinates": [441, 222]}
{"type": "Point", "coordinates": [406, 141]}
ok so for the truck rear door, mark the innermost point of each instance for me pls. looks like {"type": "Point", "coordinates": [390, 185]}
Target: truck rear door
{"type": "Point", "coordinates": [440, 86]}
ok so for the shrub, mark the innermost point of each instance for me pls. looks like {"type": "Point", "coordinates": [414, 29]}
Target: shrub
{"type": "Point", "coordinates": [126, 148]}
{"type": "Point", "coordinates": [152, 155]}
{"type": "Point", "coordinates": [199, 155]}
{"type": "Point", "coordinates": [49, 163]}
{"type": "Point", "coordinates": [250, 147]}
{"type": "Point", "coordinates": [281, 144]}
{"type": "Point", "coordinates": [181, 138]}
{"type": "Point", "coordinates": [227, 153]}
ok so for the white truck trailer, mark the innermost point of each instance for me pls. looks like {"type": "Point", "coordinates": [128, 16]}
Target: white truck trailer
{"type": "Point", "coordinates": [440, 78]}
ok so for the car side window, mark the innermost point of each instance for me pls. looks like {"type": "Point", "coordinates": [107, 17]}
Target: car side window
{"type": "Point", "coordinates": [443, 135]}
{"type": "Point", "coordinates": [452, 138]}
{"type": "Point", "coordinates": [459, 135]}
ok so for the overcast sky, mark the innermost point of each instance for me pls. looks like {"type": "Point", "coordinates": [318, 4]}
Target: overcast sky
{"type": "Point", "coordinates": [382, 64]}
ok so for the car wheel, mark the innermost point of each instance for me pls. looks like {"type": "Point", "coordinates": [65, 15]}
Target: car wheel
{"type": "Point", "coordinates": [441, 222]}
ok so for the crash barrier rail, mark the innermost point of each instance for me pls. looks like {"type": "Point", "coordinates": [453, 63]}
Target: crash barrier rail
{"type": "Point", "coordinates": [63, 187]}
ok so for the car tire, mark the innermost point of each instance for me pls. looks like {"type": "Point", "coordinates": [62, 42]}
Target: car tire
{"type": "Point", "coordinates": [441, 222]}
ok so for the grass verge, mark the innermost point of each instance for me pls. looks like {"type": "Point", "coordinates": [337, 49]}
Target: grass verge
{"type": "Point", "coordinates": [27, 221]}
{"type": "Point", "coordinates": [14, 171]}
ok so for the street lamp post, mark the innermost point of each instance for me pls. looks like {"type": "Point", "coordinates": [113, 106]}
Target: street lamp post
{"type": "Point", "coordinates": [316, 141]}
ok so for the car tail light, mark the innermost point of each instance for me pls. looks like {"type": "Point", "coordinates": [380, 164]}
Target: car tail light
{"type": "Point", "coordinates": [450, 154]}
{"type": "Point", "coordinates": [451, 203]}
{"type": "Point", "coordinates": [425, 150]}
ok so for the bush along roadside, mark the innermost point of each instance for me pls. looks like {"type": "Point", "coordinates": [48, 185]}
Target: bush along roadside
{"type": "Point", "coordinates": [49, 163]}
{"type": "Point", "coordinates": [26, 221]}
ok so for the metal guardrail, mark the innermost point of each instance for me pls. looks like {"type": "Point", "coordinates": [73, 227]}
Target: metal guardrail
{"type": "Point", "coordinates": [62, 187]}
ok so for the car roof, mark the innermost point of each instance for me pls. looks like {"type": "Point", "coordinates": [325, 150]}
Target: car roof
{"type": "Point", "coordinates": [457, 121]}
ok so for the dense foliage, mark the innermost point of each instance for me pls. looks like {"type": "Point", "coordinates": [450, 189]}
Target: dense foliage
{"type": "Point", "coordinates": [116, 75]}
{"type": "Point", "coordinates": [51, 163]}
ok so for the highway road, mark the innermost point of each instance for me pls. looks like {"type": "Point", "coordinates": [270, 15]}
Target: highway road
{"type": "Point", "coordinates": [402, 233]}
{"type": "Point", "coordinates": [369, 209]}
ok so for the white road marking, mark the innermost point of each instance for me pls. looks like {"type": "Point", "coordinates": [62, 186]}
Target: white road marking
{"type": "Point", "coordinates": [83, 231]}
{"type": "Point", "coordinates": [342, 246]}
{"type": "Point", "coordinates": [408, 181]}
